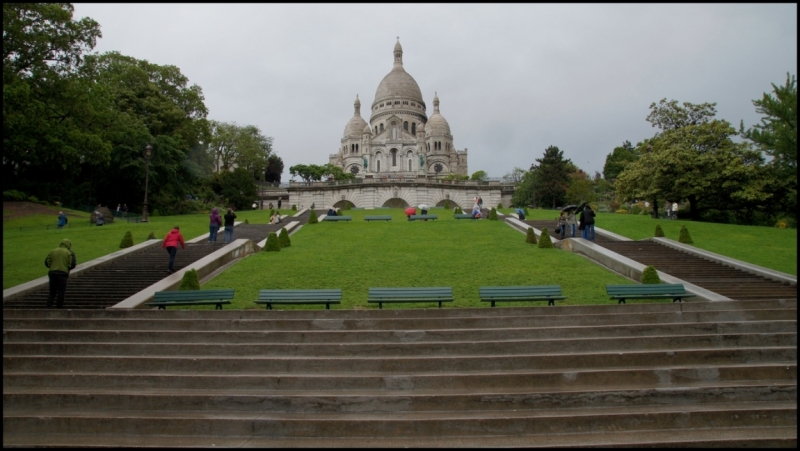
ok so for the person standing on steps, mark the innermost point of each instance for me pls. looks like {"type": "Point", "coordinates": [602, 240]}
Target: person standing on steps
{"type": "Point", "coordinates": [61, 261]}
{"type": "Point", "coordinates": [228, 233]}
{"type": "Point", "coordinates": [170, 243]}
{"type": "Point", "coordinates": [562, 224]}
{"type": "Point", "coordinates": [214, 225]}
{"type": "Point", "coordinates": [572, 222]}
{"type": "Point", "coordinates": [587, 219]}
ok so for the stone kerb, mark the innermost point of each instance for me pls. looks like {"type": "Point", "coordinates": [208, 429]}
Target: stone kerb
{"type": "Point", "coordinates": [26, 288]}
{"type": "Point", "coordinates": [732, 262]}
{"type": "Point", "coordinates": [630, 268]}
{"type": "Point", "coordinates": [205, 266]}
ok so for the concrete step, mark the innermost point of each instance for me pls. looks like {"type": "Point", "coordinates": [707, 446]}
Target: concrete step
{"type": "Point", "coordinates": [232, 348]}
{"type": "Point", "coordinates": [398, 324]}
{"type": "Point", "coordinates": [706, 330]}
{"type": "Point", "coordinates": [532, 398]}
{"type": "Point", "coordinates": [769, 437]}
{"type": "Point", "coordinates": [664, 376]}
{"type": "Point", "coordinates": [406, 424]}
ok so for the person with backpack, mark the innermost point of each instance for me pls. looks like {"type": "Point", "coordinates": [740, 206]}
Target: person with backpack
{"type": "Point", "coordinates": [587, 221]}
{"type": "Point", "coordinates": [61, 261]}
{"type": "Point", "coordinates": [228, 233]}
{"type": "Point", "coordinates": [215, 222]}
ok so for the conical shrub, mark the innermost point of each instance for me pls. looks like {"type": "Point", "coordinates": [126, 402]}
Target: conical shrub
{"type": "Point", "coordinates": [283, 238]}
{"type": "Point", "coordinates": [530, 237]}
{"type": "Point", "coordinates": [659, 232]}
{"type": "Point", "coordinates": [493, 214]}
{"type": "Point", "coordinates": [459, 211]}
{"type": "Point", "coordinates": [650, 276]}
{"type": "Point", "coordinates": [246, 221]}
{"type": "Point", "coordinates": [127, 240]}
{"type": "Point", "coordinates": [190, 281]}
{"type": "Point", "coordinates": [447, 204]}
{"type": "Point", "coordinates": [685, 238]}
{"type": "Point", "coordinates": [294, 207]}
{"type": "Point", "coordinates": [544, 239]}
{"type": "Point", "coordinates": [500, 205]}
{"type": "Point", "coordinates": [152, 236]}
{"type": "Point", "coordinates": [312, 219]}
{"type": "Point", "coordinates": [273, 245]}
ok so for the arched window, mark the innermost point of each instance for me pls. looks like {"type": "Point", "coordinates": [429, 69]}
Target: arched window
{"type": "Point", "coordinates": [394, 157]}
{"type": "Point", "coordinates": [381, 127]}
{"type": "Point", "coordinates": [409, 166]}
{"type": "Point", "coordinates": [378, 166]}
{"type": "Point", "coordinates": [413, 128]}
{"type": "Point", "coordinates": [429, 146]}
{"type": "Point", "coordinates": [356, 148]}
{"type": "Point", "coordinates": [376, 129]}
{"type": "Point", "coordinates": [405, 125]}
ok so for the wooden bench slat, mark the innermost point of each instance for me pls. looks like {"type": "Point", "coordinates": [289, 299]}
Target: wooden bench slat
{"type": "Point", "coordinates": [306, 297]}
{"type": "Point", "coordinates": [164, 299]}
{"type": "Point", "coordinates": [463, 216]}
{"type": "Point", "coordinates": [421, 217]}
{"type": "Point", "coordinates": [674, 291]}
{"type": "Point", "coordinates": [378, 218]}
{"type": "Point", "coordinates": [337, 218]}
{"type": "Point", "coordinates": [549, 293]}
{"type": "Point", "coordinates": [416, 294]}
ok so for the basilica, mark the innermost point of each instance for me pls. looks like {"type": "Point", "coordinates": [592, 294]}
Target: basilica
{"type": "Point", "coordinates": [400, 139]}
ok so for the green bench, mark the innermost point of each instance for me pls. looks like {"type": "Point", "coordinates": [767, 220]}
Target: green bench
{"type": "Point", "coordinates": [423, 217]}
{"type": "Point", "coordinates": [463, 216]}
{"type": "Point", "coordinates": [338, 218]}
{"type": "Point", "coordinates": [674, 291]}
{"type": "Point", "coordinates": [397, 295]}
{"type": "Point", "coordinates": [378, 218]}
{"type": "Point", "coordinates": [164, 299]}
{"type": "Point", "coordinates": [305, 297]}
{"type": "Point", "coordinates": [549, 293]}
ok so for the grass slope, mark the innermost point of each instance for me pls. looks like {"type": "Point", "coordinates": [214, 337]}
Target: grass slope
{"type": "Point", "coordinates": [464, 255]}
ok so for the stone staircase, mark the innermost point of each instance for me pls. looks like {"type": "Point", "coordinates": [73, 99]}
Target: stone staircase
{"type": "Point", "coordinates": [690, 374]}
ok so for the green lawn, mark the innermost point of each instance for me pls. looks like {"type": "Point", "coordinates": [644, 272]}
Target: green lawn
{"type": "Point", "coordinates": [24, 251]}
{"type": "Point", "coordinates": [769, 247]}
{"type": "Point", "coordinates": [464, 255]}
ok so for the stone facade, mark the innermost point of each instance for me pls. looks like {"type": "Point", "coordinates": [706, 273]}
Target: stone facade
{"type": "Point", "coordinates": [400, 139]}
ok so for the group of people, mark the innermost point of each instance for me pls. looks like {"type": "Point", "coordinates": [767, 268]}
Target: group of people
{"type": "Point", "coordinates": [671, 210]}
{"type": "Point", "coordinates": [216, 221]}
{"type": "Point", "coordinates": [584, 222]}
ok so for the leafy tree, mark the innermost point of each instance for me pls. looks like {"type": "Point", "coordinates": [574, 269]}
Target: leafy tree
{"type": "Point", "coordinates": [237, 187]}
{"type": "Point", "coordinates": [515, 176]}
{"type": "Point", "coordinates": [552, 177]}
{"type": "Point", "coordinates": [777, 135]}
{"type": "Point", "coordinates": [274, 169]}
{"type": "Point", "coordinates": [523, 193]}
{"type": "Point", "coordinates": [670, 116]}
{"type": "Point", "coordinates": [581, 188]}
{"type": "Point", "coordinates": [618, 159]}
{"type": "Point", "coordinates": [479, 176]}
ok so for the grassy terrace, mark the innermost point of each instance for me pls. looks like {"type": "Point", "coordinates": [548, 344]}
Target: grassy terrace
{"type": "Point", "coordinates": [464, 255]}
{"type": "Point", "coordinates": [358, 255]}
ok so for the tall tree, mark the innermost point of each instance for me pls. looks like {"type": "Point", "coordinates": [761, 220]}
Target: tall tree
{"type": "Point", "coordinates": [515, 176]}
{"type": "Point", "coordinates": [776, 135]}
{"type": "Point", "coordinates": [618, 159]}
{"type": "Point", "coordinates": [274, 169]}
{"type": "Point", "coordinates": [552, 177]}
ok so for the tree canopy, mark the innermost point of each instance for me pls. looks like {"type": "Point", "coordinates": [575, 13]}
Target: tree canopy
{"type": "Point", "coordinates": [618, 159]}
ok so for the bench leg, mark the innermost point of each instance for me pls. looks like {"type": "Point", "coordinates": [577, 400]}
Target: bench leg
{"type": "Point", "coordinates": [380, 305]}
{"type": "Point", "coordinates": [327, 306]}
{"type": "Point", "coordinates": [492, 303]}
{"type": "Point", "coordinates": [551, 302]}
{"type": "Point", "coordinates": [269, 306]}
{"type": "Point", "coordinates": [162, 307]}
{"type": "Point", "coordinates": [677, 299]}
{"type": "Point", "coordinates": [621, 301]}
{"type": "Point", "coordinates": [218, 307]}
{"type": "Point", "coordinates": [440, 304]}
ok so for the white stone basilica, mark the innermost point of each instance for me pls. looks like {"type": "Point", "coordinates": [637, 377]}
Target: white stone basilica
{"type": "Point", "coordinates": [400, 140]}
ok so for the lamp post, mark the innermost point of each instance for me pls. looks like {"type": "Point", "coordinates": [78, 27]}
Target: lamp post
{"type": "Point", "coordinates": [148, 152]}
{"type": "Point", "coordinates": [533, 171]}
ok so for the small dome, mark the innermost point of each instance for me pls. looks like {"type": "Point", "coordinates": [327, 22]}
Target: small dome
{"type": "Point", "coordinates": [437, 124]}
{"type": "Point", "coordinates": [355, 128]}
{"type": "Point", "coordinates": [367, 130]}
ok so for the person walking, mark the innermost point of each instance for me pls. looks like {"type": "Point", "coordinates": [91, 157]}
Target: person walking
{"type": "Point", "coordinates": [587, 218]}
{"type": "Point", "coordinates": [62, 220]}
{"type": "Point", "coordinates": [228, 233]}
{"type": "Point", "coordinates": [170, 243]}
{"type": "Point", "coordinates": [572, 222]}
{"type": "Point", "coordinates": [562, 224]}
{"type": "Point", "coordinates": [674, 210]}
{"type": "Point", "coordinates": [100, 218]}
{"type": "Point", "coordinates": [214, 225]}
{"type": "Point", "coordinates": [61, 261]}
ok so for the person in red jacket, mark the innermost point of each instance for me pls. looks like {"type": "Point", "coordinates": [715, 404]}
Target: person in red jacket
{"type": "Point", "coordinates": [170, 243]}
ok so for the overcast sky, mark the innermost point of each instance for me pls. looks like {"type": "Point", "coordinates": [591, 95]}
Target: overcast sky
{"type": "Point", "coordinates": [512, 79]}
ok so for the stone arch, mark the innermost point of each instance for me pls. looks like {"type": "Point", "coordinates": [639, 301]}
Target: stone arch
{"type": "Point", "coordinates": [344, 204]}
{"type": "Point", "coordinates": [395, 202]}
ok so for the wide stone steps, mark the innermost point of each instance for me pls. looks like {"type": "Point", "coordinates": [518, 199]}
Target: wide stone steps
{"type": "Point", "coordinates": [663, 374]}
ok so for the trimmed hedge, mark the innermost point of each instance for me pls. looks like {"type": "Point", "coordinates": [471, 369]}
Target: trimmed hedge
{"type": "Point", "coordinates": [152, 236]}
{"type": "Point", "coordinates": [312, 219]}
{"type": "Point", "coordinates": [544, 239]}
{"type": "Point", "coordinates": [650, 276]}
{"type": "Point", "coordinates": [685, 238]}
{"type": "Point", "coordinates": [493, 214]}
{"type": "Point", "coordinates": [127, 240]}
{"type": "Point", "coordinates": [659, 232]}
{"type": "Point", "coordinates": [273, 245]}
{"type": "Point", "coordinates": [530, 237]}
{"type": "Point", "coordinates": [190, 281]}
{"type": "Point", "coordinates": [283, 238]}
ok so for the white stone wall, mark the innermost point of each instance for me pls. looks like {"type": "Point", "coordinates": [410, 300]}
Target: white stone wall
{"type": "Point", "coordinates": [371, 196]}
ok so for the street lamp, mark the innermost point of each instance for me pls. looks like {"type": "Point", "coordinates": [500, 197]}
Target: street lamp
{"type": "Point", "coordinates": [533, 171]}
{"type": "Point", "coordinates": [148, 152]}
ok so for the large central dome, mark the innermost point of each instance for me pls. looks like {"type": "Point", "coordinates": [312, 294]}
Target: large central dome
{"type": "Point", "coordinates": [398, 82]}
